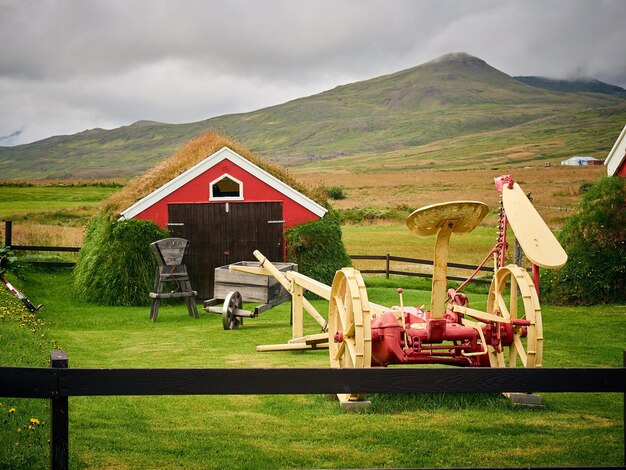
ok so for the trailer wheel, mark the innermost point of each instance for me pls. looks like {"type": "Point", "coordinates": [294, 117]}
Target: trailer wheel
{"type": "Point", "coordinates": [349, 328]}
{"type": "Point", "coordinates": [232, 302]}
{"type": "Point", "coordinates": [512, 295]}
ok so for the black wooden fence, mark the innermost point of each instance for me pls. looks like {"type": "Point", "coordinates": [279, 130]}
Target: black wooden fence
{"type": "Point", "coordinates": [59, 382]}
{"type": "Point", "coordinates": [8, 242]}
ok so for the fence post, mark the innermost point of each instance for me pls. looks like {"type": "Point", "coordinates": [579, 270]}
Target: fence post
{"type": "Point", "coordinates": [59, 432]}
{"type": "Point", "coordinates": [8, 233]}
{"type": "Point", "coordinates": [387, 265]}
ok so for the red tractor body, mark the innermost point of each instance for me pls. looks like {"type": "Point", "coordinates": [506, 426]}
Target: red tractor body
{"type": "Point", "coordinates": [425, 340]}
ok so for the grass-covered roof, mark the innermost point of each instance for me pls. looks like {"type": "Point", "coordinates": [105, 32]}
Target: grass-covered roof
{"type": "Point", "coordinates": [187, 156]}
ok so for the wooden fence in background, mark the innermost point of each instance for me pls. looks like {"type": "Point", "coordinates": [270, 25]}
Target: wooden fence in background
{"type": "Point", "coordinates": [420, 262]}
{"type": "Point", "coordinates": [387, 271]}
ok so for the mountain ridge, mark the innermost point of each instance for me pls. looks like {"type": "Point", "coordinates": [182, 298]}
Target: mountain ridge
{"type": "Point", "coordinates": [454, 95]}
{"type": "Point", "coordinates": [579, 85]}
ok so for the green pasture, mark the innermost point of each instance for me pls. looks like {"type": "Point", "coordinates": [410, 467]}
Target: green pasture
{"type": "Point", "coordinates": [292, 431]}
{"type": "Point", "coordinates": [395, 239]}
{"type": "Point", "coordinates": [58, 204]}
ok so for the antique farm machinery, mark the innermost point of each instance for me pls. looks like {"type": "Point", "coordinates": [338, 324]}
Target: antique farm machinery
{"type": "Point", "coordinates": [509, 333]}
{"type": "Point", "coordinates": [4, 261]}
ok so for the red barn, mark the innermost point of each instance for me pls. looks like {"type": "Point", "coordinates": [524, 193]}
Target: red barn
{"type": "Point", "coordinates": [227, 207]}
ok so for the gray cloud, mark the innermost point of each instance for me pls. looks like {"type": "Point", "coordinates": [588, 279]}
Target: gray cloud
{"type": "Point", "coordinates": [68, 65]}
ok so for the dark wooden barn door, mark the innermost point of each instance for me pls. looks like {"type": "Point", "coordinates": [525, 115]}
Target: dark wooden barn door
{"type": "Point", "coordinates": [224, 233]}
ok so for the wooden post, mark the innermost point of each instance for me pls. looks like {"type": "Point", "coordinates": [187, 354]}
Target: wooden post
{"type": "Point", "coordinates": [297, 328]}
{"type": "Point", "coordinates": [439, 294]}
{"type": "Point", "coordinates": [8, 233]}
{"type": "Point", "coordinates": [387, 266]}
{"type": "Point", "coordinates": [59, 432]}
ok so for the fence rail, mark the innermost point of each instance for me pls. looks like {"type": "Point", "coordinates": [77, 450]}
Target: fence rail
{"type": "Point", "coordinates": [424, 262]}
{"type": "Point", "coordinates": [8, 242]}
{"type": "Point", "coordinates": [388, 258]}
{"type": "Point", "coordinates": [59, 382]}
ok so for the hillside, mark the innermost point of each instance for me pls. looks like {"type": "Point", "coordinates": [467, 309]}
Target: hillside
{"type": "Point", "coordinates": [456, 100]}
{"type": "Point", "coordinates": [572, 86]}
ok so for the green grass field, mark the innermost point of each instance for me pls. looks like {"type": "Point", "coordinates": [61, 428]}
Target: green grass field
{"type": "Point", "coordinates": [54, 204]}
{"type": "Point", "coordinates": [292, 431]}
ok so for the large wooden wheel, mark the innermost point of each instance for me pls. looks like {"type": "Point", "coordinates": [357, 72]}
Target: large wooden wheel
{"type": "Point", "coordinates": [512, 295]}
{"type": "Point", "coordinates": [349, 329]}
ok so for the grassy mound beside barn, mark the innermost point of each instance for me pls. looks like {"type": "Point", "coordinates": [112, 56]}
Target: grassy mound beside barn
{"type": "Point", "coordinates": [317, 248]}
{"type": "Point", "coordinates": [115, 266]}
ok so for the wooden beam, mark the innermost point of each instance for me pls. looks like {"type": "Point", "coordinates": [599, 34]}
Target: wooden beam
{"type": "Point", "coordinates": [279, 276]}
{"type": "Point", "coordinates": [250, 270]}
{"type": "Point", "coordinates": [309, 284]}
{"type": "Point", "coordinates": [297, 316]}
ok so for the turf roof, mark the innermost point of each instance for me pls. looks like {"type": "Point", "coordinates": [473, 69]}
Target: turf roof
{"type": "Point", "coordinates": [187, 156]}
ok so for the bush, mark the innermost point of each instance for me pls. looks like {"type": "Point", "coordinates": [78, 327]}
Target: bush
{"type": "Point", "coordinates": [373, 214]}
{"type": "Point", "coordinates": [115, 265]}
{"type": "Point", "coordinates": [335, 192]}
{"type": "Point", "coordinates": [317, 248]}
{"type": "Point", "coordinates": [9, 260]}
{"type": "Point", "coordinates": [595, 241]}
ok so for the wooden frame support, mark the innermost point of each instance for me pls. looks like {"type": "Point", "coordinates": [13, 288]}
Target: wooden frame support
{"type": "Point", "coordinates": [296, 284]}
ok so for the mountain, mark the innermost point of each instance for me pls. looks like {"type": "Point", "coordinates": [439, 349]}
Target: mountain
{"type": "Point", "coordinates": [453, 97]}
{"type": "Point", "coordinates": [572, 86]}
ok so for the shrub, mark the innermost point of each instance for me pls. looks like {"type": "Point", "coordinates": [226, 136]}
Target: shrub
{"type": "Point", "coordinates": [373, 214]}
{"type": "Point", "coordinates": [9, 260]}
{"type": "Point", "coordinates": [115, 265]}
{"type": "Point", "coordinates": [335, 192]}
{"type": "Point", "coordinates": [317, 248]}
{"type": "Point", "coordinates": [595, 241]}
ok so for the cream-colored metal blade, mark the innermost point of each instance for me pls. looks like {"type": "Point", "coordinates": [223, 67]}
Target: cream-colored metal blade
{"type": "Point", "coordinates": [539, 244]}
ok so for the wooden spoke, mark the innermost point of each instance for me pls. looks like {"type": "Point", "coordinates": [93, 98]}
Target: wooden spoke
{"type": "Point", "coordinates": [342, 312]}
{"type": "Point", "coordinates": [502, 306]}
{"type": "Point", "coordinates": [513, 296]}
{"type": "Point", "coordinates": [349, 329]}
{"type": "Point", "coordinates": [340, 351]}
{"type": "Point", "coordinates": [519, 348]}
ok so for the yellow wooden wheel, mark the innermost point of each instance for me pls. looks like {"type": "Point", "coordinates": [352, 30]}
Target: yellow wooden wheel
{"type": "Point", "coordinates": [349, 329]}
{"type": "Point", "coordinates": [512, 296]}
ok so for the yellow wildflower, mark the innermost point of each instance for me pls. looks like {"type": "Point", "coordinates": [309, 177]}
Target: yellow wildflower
{"type": "Point", "coordinates": [34, 421]}
{"type": "Point", "coordinates": [12, 410]}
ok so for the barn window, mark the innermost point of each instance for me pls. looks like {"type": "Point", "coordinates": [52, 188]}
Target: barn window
{"type": "Point", "coordinates": [226, 187]}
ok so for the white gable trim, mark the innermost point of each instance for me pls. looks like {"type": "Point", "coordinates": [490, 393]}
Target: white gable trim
{"type": "Point", "coordinates": [223, 154]}
{"type": "Point", "coordinates": [226, 198]}
{"type": "Point", "coordinates": [617, 154]}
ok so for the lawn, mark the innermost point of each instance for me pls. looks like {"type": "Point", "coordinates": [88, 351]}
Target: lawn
{"type": "Point", "coordinates": [292, 431]}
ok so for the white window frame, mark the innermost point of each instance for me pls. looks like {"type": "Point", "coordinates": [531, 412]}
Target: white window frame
{"type": "Point", "coordinates": [226, 198]}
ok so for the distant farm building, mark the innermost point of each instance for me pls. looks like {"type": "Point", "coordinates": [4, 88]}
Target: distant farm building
{"type": "Point", "coordinates": [616, 160]}
{"type": "Point", "coordinates": [580, 160]}
{"type": "Point", "coordinates": [227, 207]}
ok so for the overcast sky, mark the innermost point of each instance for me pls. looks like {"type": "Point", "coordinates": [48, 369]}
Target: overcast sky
{"type": "Point", "coordinates": [71, 65]}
